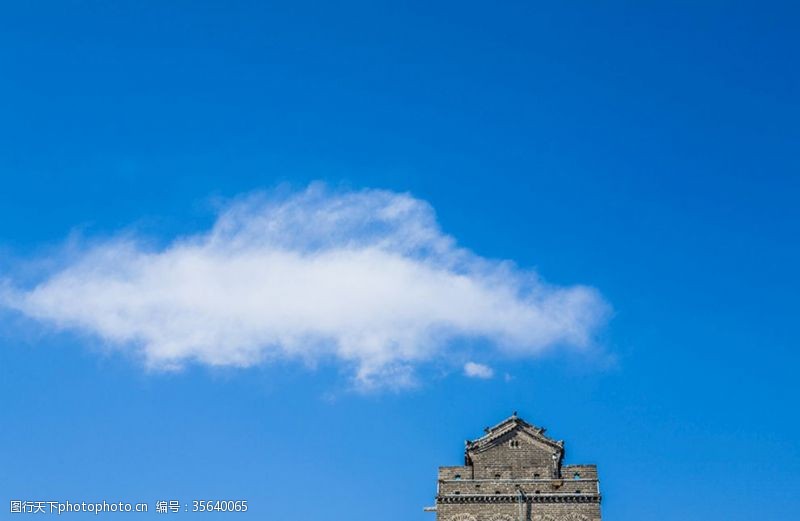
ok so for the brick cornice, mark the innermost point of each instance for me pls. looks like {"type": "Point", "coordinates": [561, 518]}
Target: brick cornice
{"type": "Point", "coordinates": [514, 498]}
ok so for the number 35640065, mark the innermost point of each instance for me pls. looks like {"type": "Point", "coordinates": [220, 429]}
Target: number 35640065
{"type": "Point", "coordinates": [219, 506]}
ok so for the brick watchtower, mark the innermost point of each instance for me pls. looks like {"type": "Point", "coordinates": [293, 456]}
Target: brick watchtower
{"type": "Point", "coordinates": [514, 473]}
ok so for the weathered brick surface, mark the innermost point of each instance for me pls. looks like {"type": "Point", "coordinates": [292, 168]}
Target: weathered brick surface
{"type": "Point", "coordinates": [515, 473]}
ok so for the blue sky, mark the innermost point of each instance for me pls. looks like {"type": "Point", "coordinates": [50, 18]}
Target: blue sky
{"type": "Point", "coordinates": [647, 152]}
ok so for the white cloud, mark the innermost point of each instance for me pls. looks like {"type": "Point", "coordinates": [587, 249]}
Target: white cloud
{"type": "Point", "coordinates": [365, 278]}
{"type": "Point", "coordinates": [476, 370]}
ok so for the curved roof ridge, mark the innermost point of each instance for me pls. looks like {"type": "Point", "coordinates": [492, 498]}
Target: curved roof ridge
{"type": "Point", "coordinates": [507, 425]}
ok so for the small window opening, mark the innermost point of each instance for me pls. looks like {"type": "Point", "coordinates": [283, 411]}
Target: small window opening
{"type": "Point", "coordinates": [457, 476]}
{"type": "Point", "coordinates": [478, 485]}
{"type": "Point", "coordinates": [457, 493]}
{"type": "Point", "coordinates": [538, 492]}
{"type": "Point", "coordinates": [497, 492]}
{"type": "Point", "coordinates": [536, 476]}
{"type": "Point", "coordinates": [497, 475]}
{"type": "Point", "coordinates": [578, 491]}
{"type": "Point", "coordinates": [576, 476]}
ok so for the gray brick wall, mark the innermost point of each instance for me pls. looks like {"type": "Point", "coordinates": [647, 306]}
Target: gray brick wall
{"type": "Point", "coordinates": [515, 473]}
